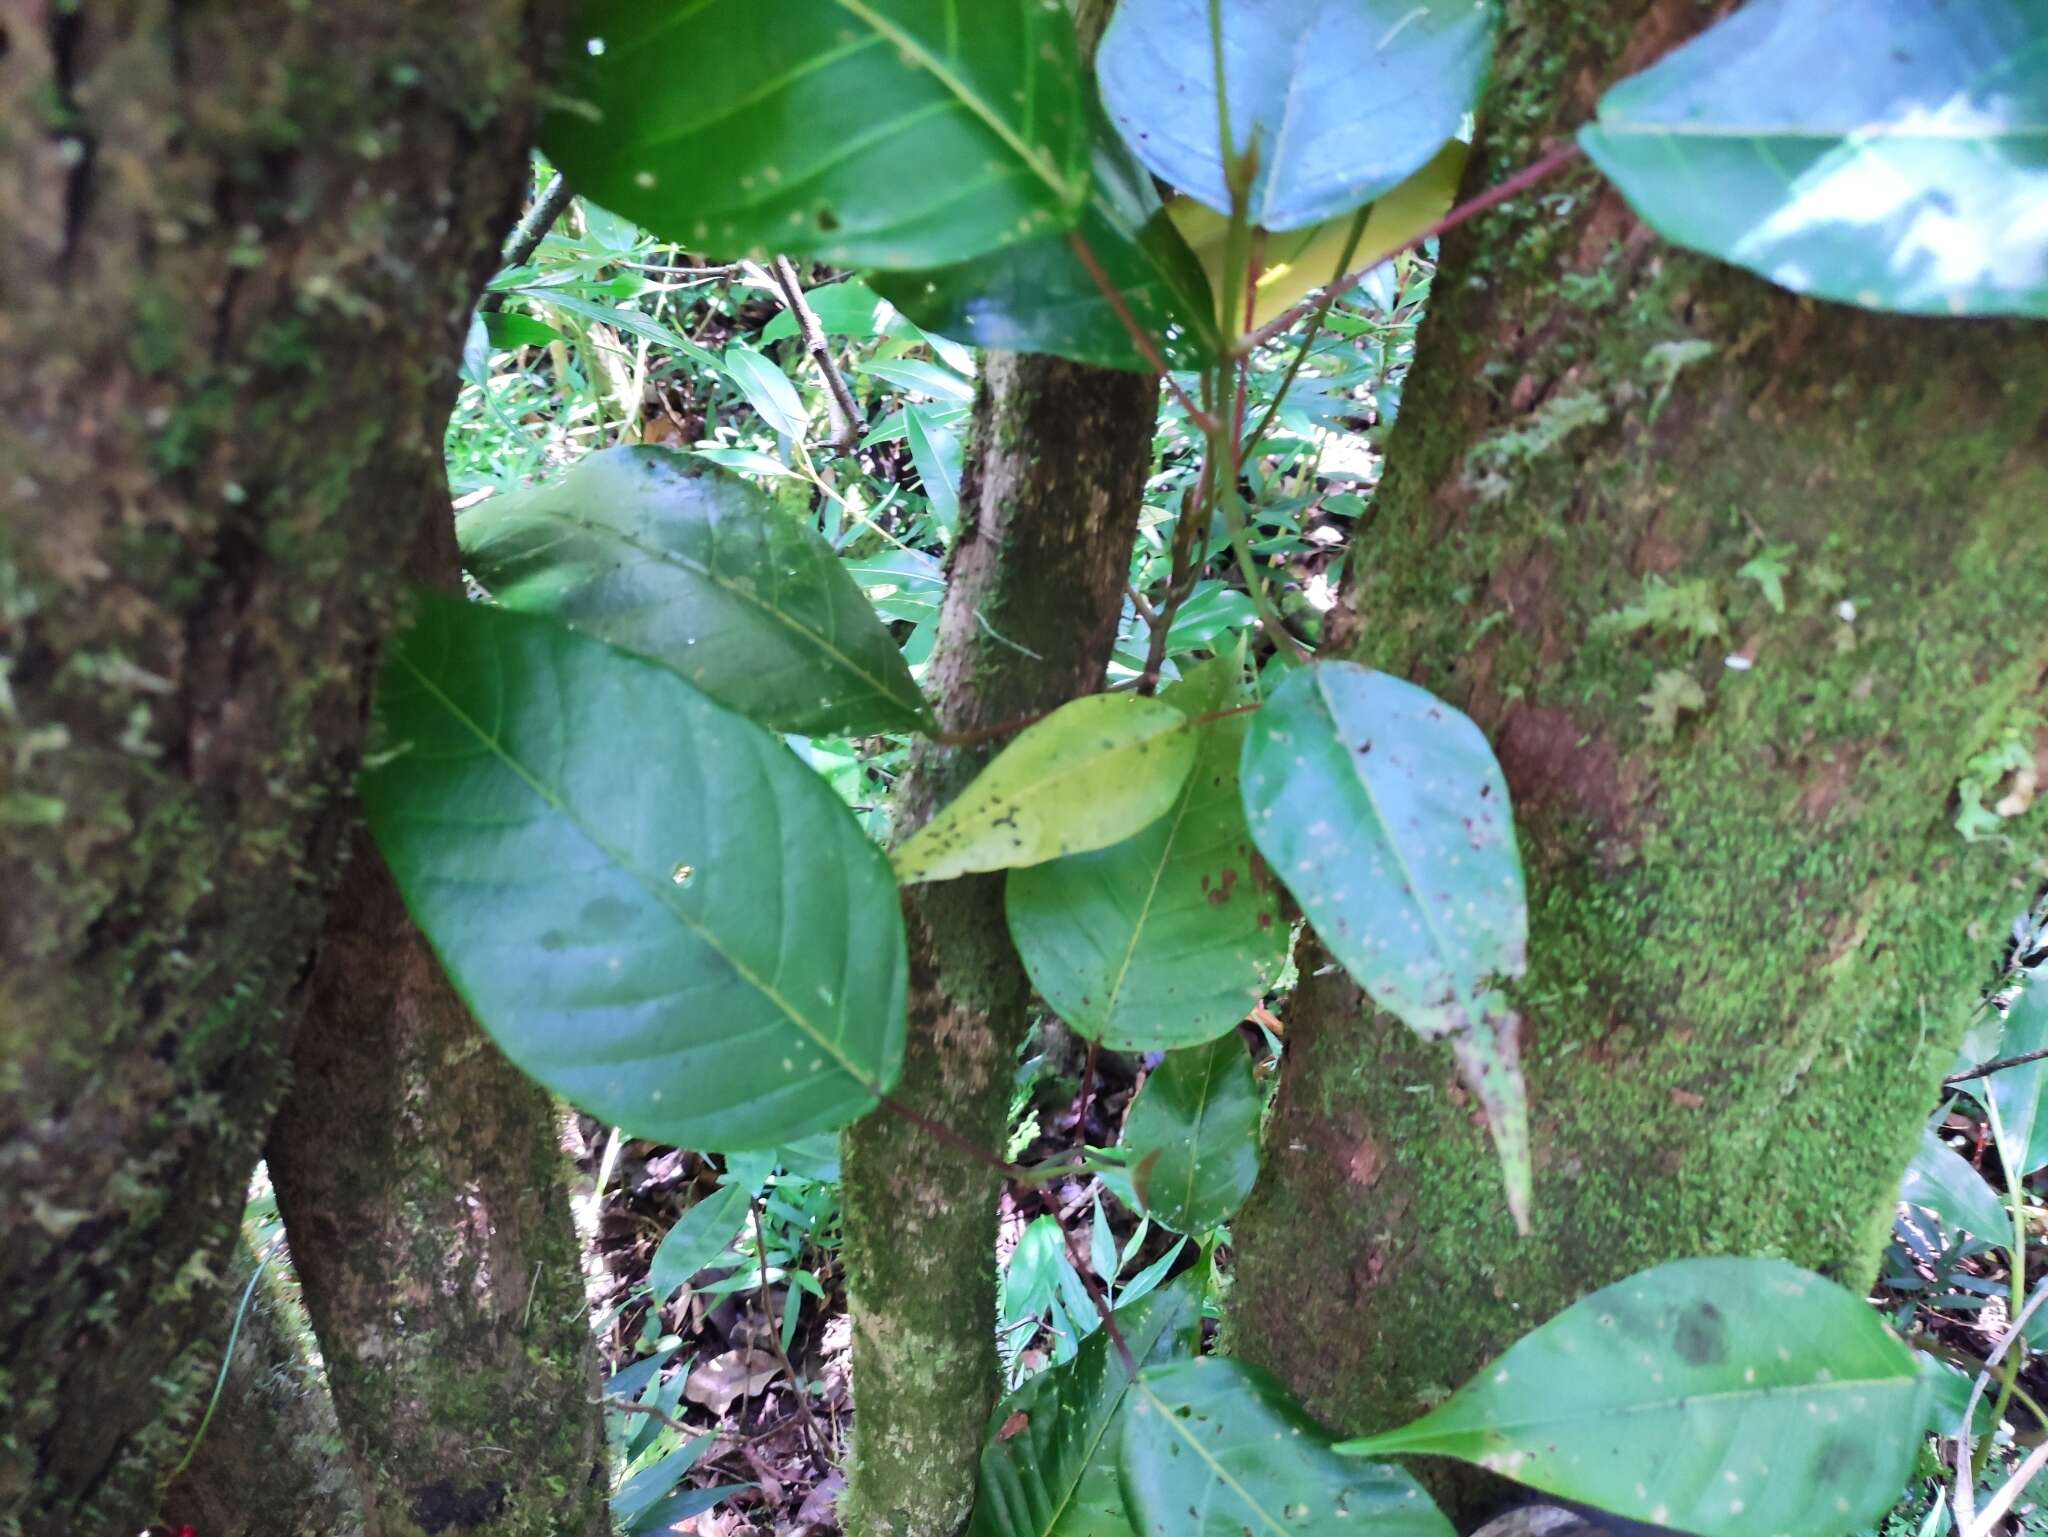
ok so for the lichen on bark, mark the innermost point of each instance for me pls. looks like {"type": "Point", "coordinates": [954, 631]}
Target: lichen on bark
{"type": "Point", "coordinates": [1049, 505]}
{"type": "Point", "coordinates": [238, 246]}
{"type": "Point", "coordinates": [1755, 934]}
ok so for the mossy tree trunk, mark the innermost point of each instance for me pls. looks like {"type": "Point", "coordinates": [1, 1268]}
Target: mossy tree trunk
{"type": "Point", "coordinates": [1049, 506]}
{"type": "Point", "coordinates": [1755, 931]}
{"type": "Point", "coordinates": [238, 246]}
{"type": "Point", "coordinates": [421, 1180]}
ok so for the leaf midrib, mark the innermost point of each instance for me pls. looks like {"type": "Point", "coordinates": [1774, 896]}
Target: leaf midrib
{"type": "Point", "coordinates": [653, 889]}
{"type": "Point", "coordinates": [1216, 1469]}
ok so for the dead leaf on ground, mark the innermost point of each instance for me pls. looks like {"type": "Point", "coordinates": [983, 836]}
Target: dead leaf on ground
{"type": "Point", "coordinates": [736, 1374]}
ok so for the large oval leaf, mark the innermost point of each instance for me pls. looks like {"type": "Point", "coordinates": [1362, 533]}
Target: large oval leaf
{"type": "Point", "coordinates": [1037, 296]}
{"type": "Point", "coordinates": [1886, 153]}
{"type": "Point", "coordinates": [886, 133]}
{"type": "Point", "coordinates": [1941, 1181]}
{"type": "Point", "coordinates": [1339, 99]}
{"type": "Point", "coordinates": [1216, 1448]}
{"type": "Point", "coordinates": [1383, 810]}
{"type": "Point", "coordinates": [1049, 1468]}
{"type": "Point", "coordinates": [1727, 1397]}
{"type": "Point", "coordinates": [1167, 938]}
{"type": "Point", "coordinates": [1191, 1140]}
{"type": "Point", "coordinates": [649, 903]}
{"type": "Point", "coordinates": [694, 568]}
{"type": "Point", "coordinates": [1090, 774]}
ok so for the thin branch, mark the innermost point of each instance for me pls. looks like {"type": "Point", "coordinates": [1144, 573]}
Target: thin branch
{"type": "Point", "coordinates": [1140, 337]}
{"type": "Point", "coordinates": [1556, 160]}
{"type": "Point", "coordinates": [528, 233]}
{"type": "Point", "coordinates": [818, 1441]}
{"type": "Point", "coordinates": [851, 425]}
{"type": "Point", "coordinates": [1986, 1069]}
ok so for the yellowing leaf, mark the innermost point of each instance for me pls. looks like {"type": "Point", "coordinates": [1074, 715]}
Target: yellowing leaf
{"type": "Point", "coordinates": [1092, 773]}
{"type": "Point", "coordinates": [1298, 263]}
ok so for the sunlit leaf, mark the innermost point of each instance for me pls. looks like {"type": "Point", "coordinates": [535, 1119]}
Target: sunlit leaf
{"type": "Point", "coordinates": [1338, 102]}
{"type": "Point", "coordinates": [1049, 1467]}
{"type": "Point", "coordinates": [1214, 1447]}
{"type": "Point", "coordinates": [768, 391]}
{"type": "Point", "coordinates": [699, 1236]}
{"type": "Point", "coordinates": [937, 452]}
{"type": "Point", "coordinates": [1384, 812]}
{"type": "Point", "coordinates": [1941, 1181]}
{"type": "Point", "coordinates": [699, 571]}
{"type": "Point", "coordinates": [1886, 153]}
{"type": "Point", "coordinates": [2017, 1093]}
{"type": "Point", "coordinates": [1169, 937]}
{"type": "Point", "coordinates": [1090, 774]}
{"type": "Point", "coordinates": [712, 126]}
{"type": "Point", "coordinates": [1191, 1140]}
{"type": "Point", "coordinates": [1726, 1397]}
{"type": "Point", "coordinates": [646, 900]}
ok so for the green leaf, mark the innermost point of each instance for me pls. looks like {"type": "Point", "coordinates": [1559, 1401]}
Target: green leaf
{"type": "Point", "coordinates": [2017, 1092]}
{"type": "Point", "coordinates": [1191, 1140]}
{"type": "Point", "coordinates": [1090, 774]}
{"type": "Point", "coordinates": [1340, 102]}
{"type": "Point", "coordinates": [1725, 1397]}
{"type": "Point", "coordinates": [629, 320]}
{"type": "Point", "coordinates": [936, 452]}
{"type": "Point", "coordinates": [923, 378]}
{"type": "Point", "coordinates": [1037, 296]}
{"type": "Point", "coordinates": [768, 391]}
{"type": "Point", "coordinates": [1169, 937]}
{"type": "Point", "coordinates": [700, 1235]}
{"type": "Point", "coordinates": [507, 331]}
{"type": "Point", "coordinates": [697, 570]}
{"type": "Point", "coordinates": [885, 133]}
{"type": "Point", "coordinates": [1214, 1447]}
{"type": "Point", "coordinates": [1384, 812]}
{"type": "Point", "coordinates": [647, 901]}
{"type": "Point", "coordinates": [1940, 1180]}
{"type": "Point", "coordinates": [1054, 1474]}
{"type": "Point", "coordinates": [1886, 153]}
{"type": "Point", "coordinates": [843, 309]}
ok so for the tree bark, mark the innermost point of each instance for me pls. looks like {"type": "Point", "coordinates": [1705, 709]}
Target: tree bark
{"type": "Point", "coordinates": [238, 247]}
{"type": "Point", "coordinates": [421, 1180]}
{"type": "Point", "coordinates": [269, 1464]}
{"type": "Point", "coordinates": [1049, 508]}
{"type": "Point", "coordinates": [1753, 943]}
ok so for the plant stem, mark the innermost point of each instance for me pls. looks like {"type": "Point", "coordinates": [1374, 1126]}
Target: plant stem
{"type": "Point", "coordinates": [851, 424]}
{"type": "Point", "coordinates": [528, 233]}
{"type": "Point", "coordinates": [803, 1404]}
{"type": "Point", "coordinates": [1315, 328]}
{"type": "Point", "coordinates": [1140, 337]}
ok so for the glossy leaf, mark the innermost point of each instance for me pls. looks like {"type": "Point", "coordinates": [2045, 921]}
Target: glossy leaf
{"type": "Point", "coordinates": [1037, 296]}
{"type": "Point", "coordinates": [1214, 1447]}
{"type": "Point", "coordinates": [699, 1236]}
{"type": "Point", "coordinates": [697, 570]}
{"type": "Point", "coordinates": [768, 391]}
{"type": "Point", "coordinates": [809, 147]}
{"type": "Point", "coordinates": [1340, 100]}
{"type": "Point", "coordinates": [2017, 1092]}
{"type": "Point", "coordinates": [1725, 1397]}
{"type": "Point", "coordinates": [937, 453]}
{"type": "Point", "coordinates": [1191, 1141]}
{"type": "Point", "coordinates": [1384, 812]}
{"type": "Point", "coordinates": [1092, 773]}
{"type": "Point", "coordinates": [1942, 1181]}
{"type": "Point", "coordinates": [1169, 937]}
{"type": "Point", "coordinates": [1294, 265]}
{"type": "Point", "coordinates": [649, 903]}
{"type": "Point", "coordinates": [1052, 1473]}
{"type": "Point", "coordinates": [1886, 153]}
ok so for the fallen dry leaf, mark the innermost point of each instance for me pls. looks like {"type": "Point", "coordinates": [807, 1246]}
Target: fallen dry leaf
{"type": "Point", "coordinates": [736, 1374]}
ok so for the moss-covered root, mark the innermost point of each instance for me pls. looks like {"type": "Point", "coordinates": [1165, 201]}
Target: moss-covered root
{"type": "Point", "coordinates": [422, 1184]}
{"type": "Point", "coordinates": [1049, 510]}
{"type": "Point", "coordinates": [270, 1463]}
{"type": "Point", "coordinates": [1738, 586]}
{"type": "Point", "coordinates": [238, 245]}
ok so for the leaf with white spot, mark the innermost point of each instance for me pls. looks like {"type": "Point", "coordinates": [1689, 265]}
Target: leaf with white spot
{"type": "Point", "coordinates": [1724, 1397]}
{"type": "Point", "coordinates": [1214, 1447]}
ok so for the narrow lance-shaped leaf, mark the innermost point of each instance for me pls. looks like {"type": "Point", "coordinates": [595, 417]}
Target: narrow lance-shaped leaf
{"type": "Point", "coordinates": [1049, 1467]}
{"type": "Point", "coordinates": [1384, 812]}
{"type": "Point", "coordinates": [1336, 102]}
{"type": "Point", "coordinates": [768, 391]}
{"type": "Point", "coordinates": [1214, 1447]}
{"type": "Point", "coordinates": [2018, 1093]}
{"type": "Point", "coordinates": [1169, 937]}
{"type": "Point", "coordinates": [699, 1236]}
{"type": "Point", "coordinates": [1191, 1140]}
{"type": "Point", "coordinates": [1886, 153]}
{"type": "Point", "coordinates": [886, 133]}
{"type": "Point", "coordinates": [1090, 774]}
{"type": "Point", "coordinates": [1725, 1397]}
{"type": "Point", "coordinates": [694, 568]}
{"type": "Point", "coordinates": [1941, 1181]}
{"type": "Point", "coordinates": [647, 901]}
